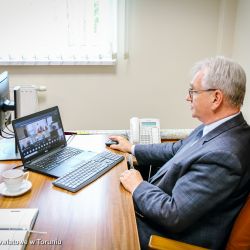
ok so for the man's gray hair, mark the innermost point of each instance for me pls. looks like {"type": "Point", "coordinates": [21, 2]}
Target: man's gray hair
{"type": "Point", "coordinates": [224, 74]}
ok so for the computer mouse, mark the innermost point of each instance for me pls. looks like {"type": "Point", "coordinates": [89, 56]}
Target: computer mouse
{"type": "Point", "coordinates": [110, 142]}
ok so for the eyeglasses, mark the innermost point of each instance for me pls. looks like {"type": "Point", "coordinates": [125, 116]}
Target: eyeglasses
{"type": "Point", "coordinates": [197, 91]}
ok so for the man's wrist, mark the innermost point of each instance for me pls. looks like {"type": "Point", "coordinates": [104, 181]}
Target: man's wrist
{"type": "Point", "coordinates": [132, 150]}
{"type": "Point", "coordinates": [132, 191]}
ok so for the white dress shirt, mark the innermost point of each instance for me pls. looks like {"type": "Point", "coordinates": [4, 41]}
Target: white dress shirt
{"type": "Point", "coordinates": [211, 126]}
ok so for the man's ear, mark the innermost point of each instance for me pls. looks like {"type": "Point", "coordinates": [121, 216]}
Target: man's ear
{"type": "Point", "coordinates": [217, 98]}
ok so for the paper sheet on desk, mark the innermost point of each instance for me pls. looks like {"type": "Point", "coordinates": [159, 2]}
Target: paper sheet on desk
{"type": "Point", "coordinates": [13, 240]}
{"type": "Point", "coordinates": [15, 225]}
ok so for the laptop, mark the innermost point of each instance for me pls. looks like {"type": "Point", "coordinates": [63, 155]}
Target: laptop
{"type": "Point", "coordinates": [42, 144]}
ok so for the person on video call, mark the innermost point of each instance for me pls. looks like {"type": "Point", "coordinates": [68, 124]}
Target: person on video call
{"type": "Point", "coordinates": [203, 181]}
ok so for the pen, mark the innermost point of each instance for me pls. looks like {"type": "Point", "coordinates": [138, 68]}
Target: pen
{"type": "Point", "coordinates": [18, 166]}
{"type": "Point", "coordinates": [70, 133]}
{"type": "Point", "coordinates": [21, 229]}
{"type": "Point", "coordinates": [130, 160]}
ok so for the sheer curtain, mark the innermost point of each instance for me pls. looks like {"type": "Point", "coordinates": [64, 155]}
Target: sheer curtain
{"type": "Point", "coordinates": [58, 32]}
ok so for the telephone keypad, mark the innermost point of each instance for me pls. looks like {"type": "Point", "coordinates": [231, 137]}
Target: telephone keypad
{"type": "Point", "coordinates": [149, 136]}
{"type": "Point", "coordinates": [146, 136]}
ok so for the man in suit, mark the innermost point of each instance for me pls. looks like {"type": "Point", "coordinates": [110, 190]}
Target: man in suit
{"type": "Point", "coordinates": [203, 181]}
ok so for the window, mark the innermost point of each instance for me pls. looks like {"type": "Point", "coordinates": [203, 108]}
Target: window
{"type": "Point", "coordinates": [58, 32]}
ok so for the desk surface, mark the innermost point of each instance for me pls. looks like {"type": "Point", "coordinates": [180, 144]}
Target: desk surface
{"type": "Point", "coordinates": [100, 216]}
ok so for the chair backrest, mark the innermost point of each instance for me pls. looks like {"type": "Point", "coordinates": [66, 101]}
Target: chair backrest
{"type": "Point", "coordinates": [240, 235]}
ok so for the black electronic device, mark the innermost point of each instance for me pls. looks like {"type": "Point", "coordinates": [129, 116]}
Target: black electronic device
{"type": "Point", "coordinates": [43, 146]}
{"type": "Point", "coordinates": [6, 105]}
{"type": "Point", "coordinates": [7, 145]}
{"type": "Point", "coordinates": [110, 142]}
{"type": "Point", "coordinates": [89, 171]}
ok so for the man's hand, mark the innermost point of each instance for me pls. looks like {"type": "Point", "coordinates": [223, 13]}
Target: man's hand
{"type": "Point", "coordinates": [123, 144]}
{"type": "Point", "coordinates": [131, 179]}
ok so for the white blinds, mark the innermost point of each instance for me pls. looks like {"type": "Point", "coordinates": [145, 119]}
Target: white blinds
{"type": "Point", "coordinates": [58, 32]}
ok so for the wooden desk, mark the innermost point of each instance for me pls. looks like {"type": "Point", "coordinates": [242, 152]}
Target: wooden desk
{"type": "Point", "coordinates": [100, 216]}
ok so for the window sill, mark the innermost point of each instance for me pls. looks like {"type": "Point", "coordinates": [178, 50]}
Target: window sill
{"type": "Point", "coordinates": [57, 62]}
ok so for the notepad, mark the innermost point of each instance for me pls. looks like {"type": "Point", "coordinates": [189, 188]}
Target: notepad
{"type": "Point", "coordinates": [15, 226]}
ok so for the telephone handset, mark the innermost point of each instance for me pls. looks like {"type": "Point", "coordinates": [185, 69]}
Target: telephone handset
{"type": "Point", "coordinates": [144, 131]}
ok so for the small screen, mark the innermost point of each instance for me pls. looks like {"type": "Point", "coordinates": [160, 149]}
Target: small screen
{"type": "Point", "coordinates": [39, 134]}
{"type": "Point", "coordinates": [149, 124]}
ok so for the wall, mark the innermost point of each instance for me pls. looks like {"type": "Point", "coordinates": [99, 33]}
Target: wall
{"type": "Point", "coordinates": [241, 47]}
{"type": "Point", "coordinates": [165, 38]}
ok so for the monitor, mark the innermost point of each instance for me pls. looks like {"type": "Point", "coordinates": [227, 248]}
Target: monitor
{"type": "Point", "coordinates": [8, 149]}
{"type": "Point", "coordinates": [4, 100]}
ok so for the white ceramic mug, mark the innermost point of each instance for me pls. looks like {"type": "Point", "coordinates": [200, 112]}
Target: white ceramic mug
{"type": "Point", "coordinates": [14, 178]}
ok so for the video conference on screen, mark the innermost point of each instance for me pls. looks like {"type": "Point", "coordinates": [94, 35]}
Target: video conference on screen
{"type": "Point", "coordinates": [39, 134]}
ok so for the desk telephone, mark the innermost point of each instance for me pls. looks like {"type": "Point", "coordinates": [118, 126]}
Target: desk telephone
{"type": "Point", "coordinates": [144, 131]}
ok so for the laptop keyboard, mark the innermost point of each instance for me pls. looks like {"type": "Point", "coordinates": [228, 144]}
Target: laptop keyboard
{"type": "Point", "coordinates": [52, 161]}
{"type": "Point", "coordinates": [88, 172]}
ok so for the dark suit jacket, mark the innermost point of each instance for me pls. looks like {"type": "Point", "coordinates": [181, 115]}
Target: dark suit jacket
{"type": "Point", "coordinates": [198, 191]}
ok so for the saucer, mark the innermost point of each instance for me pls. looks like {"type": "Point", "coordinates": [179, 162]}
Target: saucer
{"type": "Point", "coordinates": [26, 186]}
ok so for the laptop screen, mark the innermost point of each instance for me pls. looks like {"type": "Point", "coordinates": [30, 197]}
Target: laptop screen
{"type": "Point", "coordinates": [39, 133]}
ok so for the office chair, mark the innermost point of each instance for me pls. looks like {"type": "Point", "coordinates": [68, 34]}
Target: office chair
{"type": "Point", "coordinates": [239, 238]}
